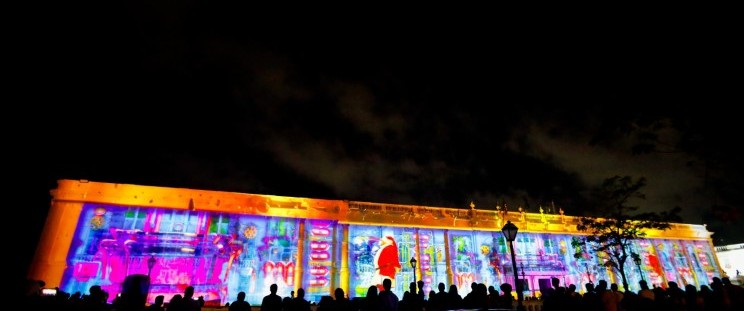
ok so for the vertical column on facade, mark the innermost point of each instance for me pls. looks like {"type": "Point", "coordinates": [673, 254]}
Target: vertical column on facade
{"type": "Point", "coordinates": [448, 262]}
{"type": "Point", "coordinates": [344, 278]}
{"type": "Point", "coordinates": [689, 264]}
{"type": "Point", "coordinates": [300, 266]}
{"type": "Point", "coordinates": [418, 254]}
{"type": "Point", "coordinates": [50, 260]}
{"type": "Point", "coordinates": [202, 228]}
{"type": "Point", "coordinates": [661, 264]}
{"type": "Point", "coordinates": [335, 254]}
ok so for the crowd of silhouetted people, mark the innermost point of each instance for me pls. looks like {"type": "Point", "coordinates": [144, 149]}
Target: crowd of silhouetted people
{"type": "Point", "coordinates": [97, 300]}
{"type": "Point", "coordinates": [720, 295]}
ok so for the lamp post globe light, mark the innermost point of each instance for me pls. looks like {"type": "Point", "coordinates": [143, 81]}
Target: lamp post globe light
{"type": "Point", "coordinates": [510, 233]}
{"type": "Point", "coordinates": [413, 265]}
{"type": "Point", "coordinates": [150, 265]}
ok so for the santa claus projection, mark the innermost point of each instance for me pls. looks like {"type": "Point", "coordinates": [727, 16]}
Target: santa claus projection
{"type": "Point", "coordinates": [386, 260]}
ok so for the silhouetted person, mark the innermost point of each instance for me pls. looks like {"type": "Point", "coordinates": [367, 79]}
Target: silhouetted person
{"type": "Point", "coordinates": [693, 301]}
{"type": "Point", "coordinates": [554, 298]}
{"type": "Point", "coordinates": [287, 301]}
{"type": "Point", "coordinates": [272, 301]}
{"type": "Point", "coordinates": [591, 301]}
{"type": "Point", "coordinates": [370, 302]}
{"type": "Point", "coordinates": [429, 304]}
{"type": "Point", "coordinates": [411, 299]}
{"type": "Point", "coordinates": [240, 304]}
{"type": "Point", "coordinates": [707, 294]}
{"type": "Point", "coordinates": [645, 292]}
{"type": "Point", "coordinates": [493, 296]}
{"type": "Point", "coordinates": [573, 299]}
{"type": "Point", "coordinates": [735, 294]}
{"type": "Point", "coordinates": [325, 304]}
{"type": "Point", "coordinates": [388, 299]}
{"type": "Point", "coordinates": [32, 288]}
{"type": "Point", "coordinates": [403, 304]}
{"type": "Point", "coordinates": [341, 303]}
{"type": "Point", "coordinates": [619, 296]}
{"type": "Point", "coordinates": [299, 303]}
{"type": "Point", "coordinates": [675, 297]}
{"type": "Point", "coordinates": [175, 302]}
{"type": "Point", "coordinates": [721, 299]}
{"type": "Point", "coordinates": [607, 299]}
{"type": "Point", "coordinates": [188, 301]}
{"type": "Point", "coordinates": [420, 293]}
{"type": "Point", "coordinates": [454, 300]}
{"type": "Point", "coordinates": [179, 303]}
{"type": "Point", "coordinates": [96, 300]}
{"type": "Point", "coordinates": [482, 298]}
{"type": "Point", "coordinates": [506, 299]}
{"type": "Point", "coordinates": [158, 304]}
{"type": "Point", "coordinates": [439, 301]}
{"type": "Point", "coordinates": [469, 301]}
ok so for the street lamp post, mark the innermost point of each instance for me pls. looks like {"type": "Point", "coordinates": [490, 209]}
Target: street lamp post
{"type": "Point", "coordinates": [150, 265]}
{"type": "Point", "coordinates": [510, 233]}
{"type": "Point", "coordinates": [637, 260]}
{"type": "Point", "coordinates": [413, 265]}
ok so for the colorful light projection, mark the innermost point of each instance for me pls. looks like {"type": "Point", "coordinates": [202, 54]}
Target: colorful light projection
{"type": "Point", "coordinates": [219, 254]}
{"type": "Point", "coordinates": [483, 257]}
{"type": "Point", "coordinates": [320, 259]}
{"type": "Point", "coordinates": [378, 253]}
{"type": "Point", "coordinates": [681, 261]}
{"type": "Point", "coordinates": [432, 260]}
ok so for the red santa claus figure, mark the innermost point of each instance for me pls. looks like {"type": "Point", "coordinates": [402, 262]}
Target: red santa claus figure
{"type": "Point", "coordinates": [386, 260]}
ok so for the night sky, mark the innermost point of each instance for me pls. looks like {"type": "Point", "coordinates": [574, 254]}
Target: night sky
{"type": "Point", "coordinates": [432, 113]}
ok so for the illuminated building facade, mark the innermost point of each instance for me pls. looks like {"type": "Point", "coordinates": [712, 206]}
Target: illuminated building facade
{"type": "Point", "coordinates": [223, 243]}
